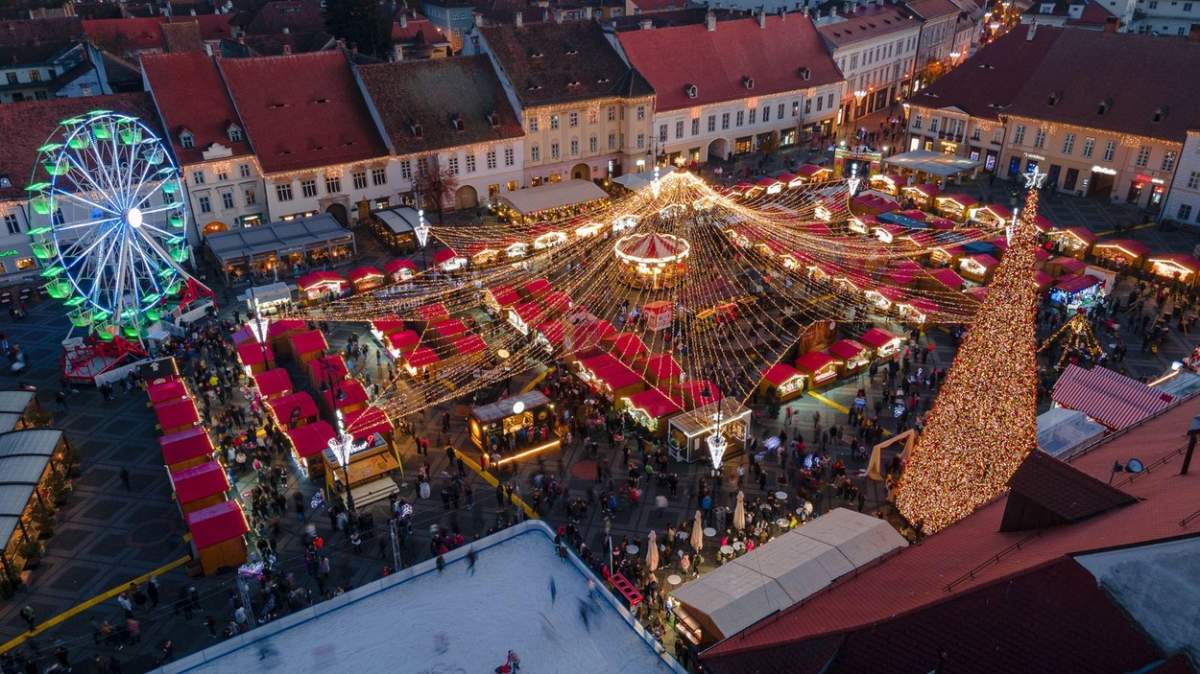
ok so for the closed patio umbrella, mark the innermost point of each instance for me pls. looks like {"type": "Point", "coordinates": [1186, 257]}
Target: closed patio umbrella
{"type": "Point", "coordinates": [652, 553]}
{"type": "Point", "coordinates": [739, 512]}
{"type": "Point", "coordinates": [697, 539]}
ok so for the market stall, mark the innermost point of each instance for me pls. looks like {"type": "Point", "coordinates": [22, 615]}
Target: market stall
{"type": "Point", "coordinates": [347, 395]}
{"type": "Point", "coordinates": [399, 270]}
{"type": "Point", "coordinates": [432, 313]}
{"type": "Point", "coordinates": [818, 367]}
{"type": "Point", "coordinates": [657, 315]}
{"type": "Point", "coordinates": [853, 356]}
{"type": "Point", "coordinates": [941, 279]}
{"type": "Point", "coordinates": [185, 449]}
{"type": "Point", "coordinates": [449, 260]}
{"type": "Point", "coordinates": [370, 467]}
{"type": "Point", "coordinates": [308, 346]}
{"type": "Point", "coordinates": [917, 309]}
{"type": "Point", "coordinates": [551, 201]}
{"type": "Point", "coordinates": [396, 228]}
{"type": "Point", "coordinates": [517, 426]}
{"type": "Point", "coordinates": [273, 384]}
{"type": "Point", "coordinates": [1073, 292]}
{"type": "Point", "coordinates": [662, 370]}
{"type": "Point", "coordinates": [320, 286]}
{"type": "Point", "coordinates": [200, 486]}
{"type": "Point", "coordinates": [921, 195]}
{"type": "Point", "coordinates": [650, 410]}
{"type": "Point", "coordinates": [810, 173]}
{"type": "Point", "coordinates": [279, 335]}
{"type": "Point", "coordinates": [296, 409]}
{"type": "Point", "coordinates": [782, 383]}
{"type": "Point", "coordinates": [382, 327]}
{"type": "Point", "coordinates": [687, 432]}
{"type": "Point", "coordinates": [628, 347]}
{"type": "Point", "coordinates": [218, 536]}
{"type": "Point", "coordinates": [308, 443]}
{"type": "Point", "coordinates": [167, 391]}
{"type": "Point", "coordinates": [35, 474]}
{"type": "Point", "coordinates": [1074, 241]}
{"type": "Point", "coordinates": [327, 371]}
{"type": "Point", "coordinates": [992, 216]}
{"type": "Point", "coordinates": [888, 183]}
{"type": "Point", "coordinates": [499, 298]}
{"type": "Point", "coordinates": [365, 278]}
{"type": "Point", "coordinates": [255, 357]}
{"type": "Point", "coordinates": [609, 377]}
{"type": "Point", "coordinates": [400, 343]}
{"type": "Point", "coordinates": [1179, 267]}
{"type": "Point", "coordinates": [883, 342]}
{"type": "Point", "coordinates": [421, 360]}
{"type": "Point", "coordinates": [1121, 253]}
{"type": "Point", "coordinates": [954, 205]}
{"type": "Point", "coordinates": [469, 346]}
{"type": "Point", "coordinates": [978, 268]}
{"type": "Point", "coordinates": [175, 416]}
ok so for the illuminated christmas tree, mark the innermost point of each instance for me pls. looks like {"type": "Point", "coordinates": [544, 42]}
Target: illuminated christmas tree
{"type": "Point", "coordinates": [984, 421]}
{"type": "Point", "coordinates": [1075, 340]}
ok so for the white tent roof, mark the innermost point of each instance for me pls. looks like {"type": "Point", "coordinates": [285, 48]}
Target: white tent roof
{"type": "Point", "coordinates": [1061, 431]}
{"type": "Point", "coordinates": [399, 220]}
{"type": "Point", "coordinates": [788, 569]}
{"type": "Point", "coordinates": [552, 195]}
{"type": "Point", "coordinates": [934, 163]}
{"type": "Point", "coordinates": [636, 181]}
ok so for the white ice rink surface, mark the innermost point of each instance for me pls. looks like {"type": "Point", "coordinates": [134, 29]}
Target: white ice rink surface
{"type": "Point", "coordinates": [452, 623]}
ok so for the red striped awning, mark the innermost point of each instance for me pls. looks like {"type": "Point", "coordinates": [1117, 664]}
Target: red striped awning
{"type": "Point", "coordinates": [1110, 398]}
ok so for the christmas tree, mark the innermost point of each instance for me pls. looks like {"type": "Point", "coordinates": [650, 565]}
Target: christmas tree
{"type": "Point", "coordinates": [1075, 340]}
{"type": "Point", "coordinates": [984, 422]}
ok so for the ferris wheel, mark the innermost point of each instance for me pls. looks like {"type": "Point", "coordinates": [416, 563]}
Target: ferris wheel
{"type": "Point", "coordinates": [109, 223]}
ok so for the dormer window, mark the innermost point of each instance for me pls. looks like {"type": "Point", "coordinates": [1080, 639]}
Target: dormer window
{"type": "Point", "coordinates": [492, 120]}
{"type": "Point", "coordinates": [415, 129]}
{"type": "Point", "coordinates": [747, 81]}
{"type": "Point", "coordinates": [234, 132]}
{"type": "Point", "coordinates": [1053, 99]}
{"type": "Point", "coordinates": [691, 90]}
{"type": "Point", "coordinates": [535, 54]}
{"type": "Point", "coordinates": [456, 121]}
{"type": "Point", "coordinates": [570, 50]}
{"type": "Point", "coordinates": [805, 73]}
{"type": "Point", "coordinates": [603, 80]}
{"type": "Point", "coordinates": [1047, 8]}
{"type": "Point", "coordinates": [1159, 114]}
{"type": "Point", "coordinates": [1104, 106]}
{"type": "Point", "coordinates": [186, 139]}
{"type": "Point", "coordinates": [573, 84]}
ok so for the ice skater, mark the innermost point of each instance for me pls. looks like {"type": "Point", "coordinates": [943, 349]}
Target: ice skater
{"type": "Point", "coordinates": [553, 591]}
{"type": "Point", "coordinates": [583, 614]}
{"type": "Point", "coordinates": [514, 660]}
{"type": "Point", "coordinates": [441, 563]}
{"type": "Point", "coordinates": [471, 560]}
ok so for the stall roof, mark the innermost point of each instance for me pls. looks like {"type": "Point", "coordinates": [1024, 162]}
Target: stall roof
{"type": "Point", "coordinates": [628, 346]}
{"type": "Point", "coordinates": [932, 163]}
{"type": "Point", "coordinates": [328, 370]}
{"type": "Point", "coordinates": [503, 408]}
{"type": "Point", "coordinates": [197, 482]}
{"type": "Point", "coordinates": [15, 400]}
{"type": "Point", "coordinates": [287, 405]}
{"type": "Point", "coordinates": [964, 200]}
{"type": "Point", "coordinates": [308, 342]}
{"type": "Point", "coordinates": [278, 237]}
{"type": "Point", "coordinates": [363, 273]}
{"type": "Point", "coordinates": [653, 403]}
{"type": "Point", "coordinates": [789, 569]}
{"type": "Point", "coordinates": [779, 373]}
{"type": "Point", "coordinates": [23, 459]}
{"type": "Point", "coordinates": [433, 312]}
{"type": "Point", "coordinates": [316, 278]}
{"type": "Point", "coordinates": [366, 422]}
{"type": "Point", "coordinates": [310, 439]}
{"type": "Point", "coordinates": [469, 343]}
{"type": "Point", "coordinates": [813, 361]}
{"type": "Point", "coordinates": [177, 413]}
{"type": "Point", "coordinates": [404, 339]}
{"type": "Point", "coordinates": [847, 348]}
{"type": "Point", "coordinates": [1061, 432]}
{"type": "Point", "coordinates": [1182, 259]}
{"type": "Point", "coordinates": [1108, 397]}
{"type": "Point", "coordinates": [662, 366]}
{"type": "Point", "coordinates": [216, 524]}
{"type": "Point", "coordinates": [185, 445]}
{"type": "Point", "coordinates": [352, 391]}
{"type": "Point", "coordinates": [1077, 284]}
{"type": "Point", "coordinates": [171, 389]}
{"type": "Point", "coordinates": [285, 326]}
{"type": "Point", "coordinates": [251, 353]}
{"type": "Point", "coordinates": [1129, 246]}
{"type": "Point", "coordinates": [700, 392]}
{"type": "Point", "coordinates": [552, 195]}
{"type": "Point", "coordinates": [876, 337]}
{"type": "Point", "coordinates": [399, 220]}
{"type": "Point", "coordinates": [388, 325]}
{"type": "Point", "coordinates": [697, 421]}
{"type": "Point", "coordinates": [947, 277]}
{"type": "Point", "coordinates": [273, 381]}
{"type": "Point", "coordinates": [449, 328]}
{"type": "Point", "coordinates": [421, 356]}
{"type": "Point", "coordinates": [394, 266]}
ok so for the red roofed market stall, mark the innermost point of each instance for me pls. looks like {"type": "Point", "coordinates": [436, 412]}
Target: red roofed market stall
{"type": "Point", "coordinates": [218, 536]}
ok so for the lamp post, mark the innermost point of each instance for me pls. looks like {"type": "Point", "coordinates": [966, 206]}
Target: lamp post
{"type": "Point", "coordinates": [258, 325]}
{"type": "Point", "coordinates": [343, 446]}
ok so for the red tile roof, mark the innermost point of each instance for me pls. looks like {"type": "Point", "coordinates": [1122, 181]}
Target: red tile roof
{"type": "Point", "coordinates": [1049, 619]}
{"type": "Point", "coordinates": [1108, 397]}
{"type": "Point", "coordinates": [932, 9]}
{"type": "Point", "coordinates": [189, 93]}
{"type": "Point", "coordinates": [868, 23]}
{"type": "Point", "coordinates": [26, 33]}
{"type": "Point", "coordinates": [303, 110]}
{"type": "Point", "coordinates": [993, 77]}
{"type": "Point", "coordinates": [310, 439]}
{"type": "Point", "coordinates": [717, 62]}
{"type": "Point", "coordinates": [973, 551]}
{"type": "Point", "coordinates": [197, 482]}
{"type": "Point", "coordinates": [132, 35]}
{"type": "Point", "coordinates": [1045, 491]}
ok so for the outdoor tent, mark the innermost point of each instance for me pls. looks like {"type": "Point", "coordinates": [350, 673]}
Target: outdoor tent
{"type": "Point", "coordinates": [1062, 432]}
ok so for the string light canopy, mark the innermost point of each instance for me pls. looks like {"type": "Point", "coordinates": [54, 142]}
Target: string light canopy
{"type": "Point", "coordinates": [762, 269]}
{"type": "Point", "coordinates": [984, 421]}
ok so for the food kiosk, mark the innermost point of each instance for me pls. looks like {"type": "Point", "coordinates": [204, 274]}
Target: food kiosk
{"type": "Point", "coordinates": [167, 391]}
{"type": "Point", "coordinates": [348, 395]}
{"type": "Point", "coordinates": [1076, 242]}
{"type": "Point", "coordinates": [185, 449]}
{"type": "Point", "coordinates": [218, 536]}
{"type": "Point", "coordinates": [525, 422]}
{"type": "Point", "coordinates": [255, 357]}
{"type": "Point", "coordinates": [200, 486]}
{"type": "Point", "coordinates": [1121, 253]}
{"type": "Point", "coordinates": [308, 444]}
{"type": "Point", "coordinates": [819, 368]}
{"type": "Point", "coordinates": [955, 206]}
{"type": "Point", "coordinates": [365, 278]}
{"type": "Point", "coordinates": [291, 411]}
{"type": "Point", "coordinates": [327, 371]}
{"type": "Point", "coordinates": [370, 464]}
{"type": "Point", "coordinates": [1179, 267]}
{"type": "Point", "coordinates": [308, 346]}
{"type": "Point", "coordinates": [884, 343]}
{"type": "Point", "coordinates": [782, 383]}
{"type": "Point", "coordinates": [273, 383]}
{"type": "Point", "coordinates": [650, 410]}
{"type": "Point", "coordinates": [175, 416]}
{"type": "Point", "coordinates": [854, 356]}
{"type": "Point", "coordinates": [321, 285]}
{"type": "Point", "coordinates": [279, 335]}
{"type": "Point", "coordinates": [687, 432]}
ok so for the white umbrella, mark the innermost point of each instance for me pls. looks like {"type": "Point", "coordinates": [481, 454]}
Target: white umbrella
{"type": "Point", "coordinates": [739, 512]}
{"type": "Point", "coordinates": [697, 539]}
{"type": "Point", "coordinates": [652, 553]}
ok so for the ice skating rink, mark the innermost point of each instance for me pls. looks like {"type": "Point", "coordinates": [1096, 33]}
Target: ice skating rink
{"type": "Point", "coordinates": [423, 622]}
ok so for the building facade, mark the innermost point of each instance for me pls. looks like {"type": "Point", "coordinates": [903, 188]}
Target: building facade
{"type": "Point", "coordinates": [936, 51]}
{"type": "Point", "coordinates": [875, 47]}
{"type": "Point", "coordinates": [1183, 199]}
{"type": "Point", "coordinates": [784, 90]}
{"type": "Point", "coordinates": [586, 114]}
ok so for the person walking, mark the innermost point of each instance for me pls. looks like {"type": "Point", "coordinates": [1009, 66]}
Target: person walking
{"type": "Point", "coordinates": [125, 478]}
{"type": "Point", "coordinates": [30, 618]}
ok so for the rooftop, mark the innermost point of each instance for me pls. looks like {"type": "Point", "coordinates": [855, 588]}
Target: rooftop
{"type": "Point", "coordinates": [190, 94]}
{"type": "Point", "coordinates": [932, 9]}
{"type": "Point", "coordinates": [867, 23]}
{"type": "Point", "coordinates": [737, 60]}
{"type": "Point", "coordinates": [302, 110]}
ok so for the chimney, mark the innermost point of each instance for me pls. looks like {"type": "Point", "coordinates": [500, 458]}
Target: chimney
{"type": "Point", "coordinates": [517, 20]}
{"type": "Point", "coordinates": [710, 21]}
{"type": "Point", "coordinates": [762, 19]}
{"type": "Point", "coordinates": [1194, 33]}
{"type": "Point", "coordinates": [646, 24]}
{"type": "Point", "coordinates": [847, 8]}
{"type": "Point", "coordinates": [558, 16]}
{"type": "Point", "coordinates": [1111, 24]}
{"type": "Point", "coordinates": [478, 20]}
{"type": "Point", "coordinates": [404, 19]}
{"type": "Point", "coordinates": [287, 50]}
{"type": "Point", "coordinates": [286, 30]}
{"type": "Point", "coordinates": [783, 13]}
{"type": "Point", "coordinates": [1031, 32]}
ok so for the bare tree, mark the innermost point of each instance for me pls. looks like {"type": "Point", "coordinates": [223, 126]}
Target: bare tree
{"type": "Point", "coordinates": [437, 186]}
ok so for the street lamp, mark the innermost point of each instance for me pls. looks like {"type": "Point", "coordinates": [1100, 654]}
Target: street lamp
{"type": "Point", "coordinates": [422, 228]}
{"type": "Point", "coordinates": [343, 446]}
{"type": "Point", "coordinates": [258, 325]}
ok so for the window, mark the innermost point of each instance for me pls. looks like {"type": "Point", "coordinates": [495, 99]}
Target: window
{"type": "Point", "coordinates": [641, 112]}
{"type": "Point", "coordinates": [1110, 148]}
{"type": "Point", "coordinates": [1168, 161]}
{"type": "Point", "coordinates": [612, 141]}
{"type": "Point", "coordinates": [470, 158]}
{"type": "Point", "coordinates": [724, 121]}
{"type": "Point", "coordinates": [244, 170]}
{"type": "Point", "coordinates": [360, 180]}
{"type": "Point", "coordinates": [1018, 134]}
{"type": "Point", "coordinates": [1187, 6]}
{"type": "Point", "coordinates": [753, 115]}
{"type": "Point", "coordinates": [553, 122]}
{"type": "Point", "coordinates": [820, 103]}
{"type": "Point", "coordinates": [422, 167]}
{"type": "Point", "coordinates": [533, 124]}
{"type": "Point", "coordinates": [574, 147]}
{"type": "Point", "coordinates": [696, 126]}
{"type": "Point", "coordinates": [405, 169]}
{"type": "Point", "coordinates": [808, 106]}
{"type": "Point", "coordinates": [612, 113]}
{"type": "Point", "coordinates": [554, 153]}
{"type": "Point", "coordinates": [712, 123]}
{"type": "Point", "coordinates": [206, 206]}
{"type": "Point", "coordinates": [592, 115]}
{"type": "Point", "coordinates": [778, 112]}
{"type": "Point", "coordinates": [829, 101]}
{"type": "Point", "coordinates": [509, 157]}
{"type": "Point", "coordinates": [975, 133]}
{"type": "Point", "coordinates": [933, 124]}
{"type": "Point", "coordinates": [308, 187]}
{"type": "Point", "coordinates": [378, 176]}
{"type": "Point", "coordinates": [222, 175]}
{"type": "Point", "coordinates": [12, 78]}
{"type": "Point", "coordinates": [679, 129]}
{"type": "Point", "coordinates": [235, 133]}
{"type": "Point", "coordinates": [573, 119]}
{"type": "Point", "coordinates": [1089, 145]}
{"type": "Point", "coordinates": [197, 177]}
{"type": "Point", "coordinates": [1185, 212]}
{"type": "Point", "coordinates": [641, 141]}
{"type": "Point", "coordinates": [1193, 182]}
{"type": "Point", "coordinates": [593, 145]}
{"type": "Point", "coordinates": [662, 133]}
{"type": "Point", "coordinates": [12, 223]}
{"type": "Point", "coordinates": [227, 200]}
{"type": "Point", "coordinates": [535, 153]}
{"type": "Point", "coordinates": [452, 165]}
{"type": "Point", "coordinates": [251, 196]}
{"type": "Point", "coordinates": [741, 117]}
{"type": "Point", "coordinates": [490, 159]}
{"type": "Point", "coordinates": [1039, 138]}
{"type": "Point", "coordinates": [1143, 156]}
{"type": "Point", "coordinates": [1069, 143]}
{"type": "Point", "coordinates": [186, 140]}
{"type": "Point", "coordinates": [795, 109]}
{"type": "Point", "coordinates": [917, 121]}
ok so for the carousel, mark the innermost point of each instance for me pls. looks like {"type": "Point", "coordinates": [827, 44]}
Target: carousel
{"type": "Point", "coordinates": [652, 261]}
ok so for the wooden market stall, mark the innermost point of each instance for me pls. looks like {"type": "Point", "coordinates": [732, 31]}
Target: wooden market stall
{"type": "Point", "coordinates": [499, 298]}
{"type": "Point", "coordinates": [308, 346]}
{"type": "Point", "coordinates": [432, 313]}
{"type": "Point", "coordinates": [819, 367]}
{"type": "Point", "coordinates": [400, 343]}
{"type": "Point", "coordinates": [853, 356]}
{"type": "Point", "coordinates": [326, 372]}
{"type": "Point", "coordinates": [279, 335]}
{"type": "Point", "coordinates": [1076, 242]}
{"type": "Point", "coordinates": [687, 431]}
{"type": "Point", "coordinates": [517, 426]}
{"type": "Point", "coordinates": [1121, 253]}
{"type": "Point", "coordinates": [978, 268]}
{"type": "Point", "coordinates": [609, 377]}
{"type": "Point", "coordinates": [629, 348]}
{"type": "Point", "coordinates": [399, 270]}
{"type": "Point", "coordinates": [274, 384]}
{"type": "Point", "coordinates": [888, 183]}
{"type": "Point", "coordinates": [1179, 267]}
{"type": "Point", "coordinates": [381, 328]}
{"type": "Point", "coordinates": [308, 445]}
{"type": "Point", "coordinates": [884, 343]}
{"type": "Point", "coordinates": [321, 285]}
{"type": "Point", "coordinates": [810, 173]}
{"type": "Point", "coordinates": [348, 395]}
{"type": "Point", "coordinates": [365, 278]}
{"type": "Point", "coordinates": [370, 467]}
{"type": "Point", "coordinates": [200, 486]}
{"type": "Point", "coordinates": [955, 205]}
{"type": "Point", "coordinates": [469, 347]}
{"type": "Point", "coordinates": [921, 195]}
{"type": "Point", "coordinates": [185, 449]}
{"type": "Point", "coordinates": [175, 416]}
{"type": "Point", "coordinates": [255, 357]}
{"type": "Point", "coordinates": [650, 410]}
{"type": "Point", "coordinates": [293, 410]}
{"type": "Point", "coordinates": [991, 216]}
{"type": "Point", "coordinates": [420, 361]}
{"type": "Point", "coordinates": [218, 536]}
{"type": "Point", "coordinates": [662, 370]}
{"type": "Point", "coordinates": [166, 391]}
{"type": "Point", "coordinates": [782, 383]}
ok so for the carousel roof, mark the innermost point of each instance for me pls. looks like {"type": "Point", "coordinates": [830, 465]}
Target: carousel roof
{"type": "Point", "coordinates": [653, 246]}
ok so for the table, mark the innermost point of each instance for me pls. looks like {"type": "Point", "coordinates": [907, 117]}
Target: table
{"type": "Point", "coordinates": [781, 495]}
{"type": "Point", "coordinates": [710, 532]}
{"type": "Point", "coordinates": [674, 579]}
{"type": "Point", "coordinates": [726, 550]}
{"type": "Point", "coordinates": [631, 549]}
{"type": "Point", "coordinates": [681, 535]}
{"type": "Point", "coordinates": [781, 523]}
{"type": "Point", "coordinates": [739, 546]}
